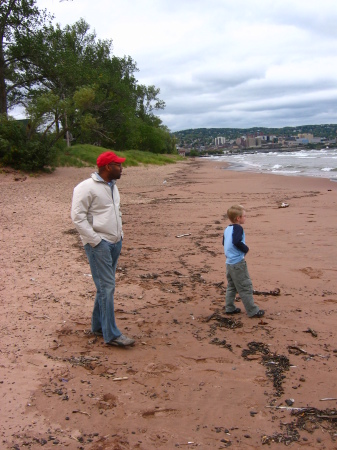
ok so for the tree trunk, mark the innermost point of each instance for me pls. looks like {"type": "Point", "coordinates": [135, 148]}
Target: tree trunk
{"type": "Point", "coordinates": [3, 93]}
{"type": "Point", "coordinates": [67, 132]}
{"type": "Point", "coordinates": [57, 125]}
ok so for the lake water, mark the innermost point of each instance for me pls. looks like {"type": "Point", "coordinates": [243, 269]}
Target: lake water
{"type": "Point", "coordinates": [308, 163]}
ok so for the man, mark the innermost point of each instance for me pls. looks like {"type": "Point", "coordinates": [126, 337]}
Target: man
{"type": "Point", "coordinates": [96, 216]}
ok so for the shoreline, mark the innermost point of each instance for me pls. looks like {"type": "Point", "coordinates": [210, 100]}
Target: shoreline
{"type": "Point", "coordinates": [191, 375]}
{"type": "Point", "coordinates": [255, 150]}
{"type": "Point", "coordinates": [303, 163]}
{"type": "Point", "coordinates": [231, 166]}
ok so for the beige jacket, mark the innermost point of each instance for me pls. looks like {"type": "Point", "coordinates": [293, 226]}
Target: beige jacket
{"type": "Point", "coordinates": [95, 211]}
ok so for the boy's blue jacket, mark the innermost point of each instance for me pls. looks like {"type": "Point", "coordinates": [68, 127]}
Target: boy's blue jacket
{"type": "Point", "coordinates": [234, 244]}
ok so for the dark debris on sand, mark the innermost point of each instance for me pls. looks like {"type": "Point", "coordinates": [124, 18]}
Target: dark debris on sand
{"type": "Point", "coordinates": [307, 419]}
{"type": "Point", "coordinates": [310, 419]}
{"type": "Point", "coordinates": [275, 364]}
{"type": "Point", "coordinates": [223, 322]}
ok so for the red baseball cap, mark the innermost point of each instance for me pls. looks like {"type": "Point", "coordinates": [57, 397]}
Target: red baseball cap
{"type": "Point", "coordinates": [107, 158]}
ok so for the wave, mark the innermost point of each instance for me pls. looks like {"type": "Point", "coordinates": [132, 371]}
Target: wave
{"type": "Point", "coordinates": [313, 163]}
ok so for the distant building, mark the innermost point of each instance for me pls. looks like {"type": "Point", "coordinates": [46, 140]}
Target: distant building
{"type": "Point", "coordinates": [268, 138]}
{"type": "Point", "coordinates": [317, 140]}
{"type": "Point", "coordinates": [307, 136]}
{"type": "Point", "coordinates": [302, 141]}
{"type": "Point", "coordinates": [253, 142]}
{"type": "Point", "coordinates": [219, 141]}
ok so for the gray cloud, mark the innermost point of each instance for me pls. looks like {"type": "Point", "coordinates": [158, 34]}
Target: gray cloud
{"type": "Point", "coordinates": [224, 63]}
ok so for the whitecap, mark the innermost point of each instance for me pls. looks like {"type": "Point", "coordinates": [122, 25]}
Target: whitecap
{"type": "Point", "coordinates": [286, 172]}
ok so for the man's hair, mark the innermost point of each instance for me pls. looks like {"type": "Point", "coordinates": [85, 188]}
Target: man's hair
{"type": "Point", "coordinates": [234, 212]}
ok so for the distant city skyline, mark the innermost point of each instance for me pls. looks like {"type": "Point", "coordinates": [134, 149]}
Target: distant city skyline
{"type": "Point", "coordinates": [222, 63]}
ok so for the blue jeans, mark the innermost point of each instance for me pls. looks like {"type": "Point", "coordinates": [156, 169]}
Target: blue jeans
{"type": "Point", "coordinates": [238, 281]}
{"type": "Point", "coordinates": [103, 263]}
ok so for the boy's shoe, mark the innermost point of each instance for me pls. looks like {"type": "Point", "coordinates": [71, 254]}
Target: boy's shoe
{"type": "Point", "coordinates": [258, 314]}
{"type": "Point", "coordinates": [122, 341]}
{"type": "Point", "coordinates": [236, 311]}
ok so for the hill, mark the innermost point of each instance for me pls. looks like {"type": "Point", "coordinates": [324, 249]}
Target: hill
{"type": "Point", "coordinates": [206, 136]}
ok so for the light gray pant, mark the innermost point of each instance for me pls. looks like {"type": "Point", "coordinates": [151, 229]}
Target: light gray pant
{"type": "Point", "coordinates": [238, 281]}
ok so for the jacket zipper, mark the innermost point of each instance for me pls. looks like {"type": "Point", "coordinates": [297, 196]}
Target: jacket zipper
{"type": "Point", "coordinates": [113, 202]}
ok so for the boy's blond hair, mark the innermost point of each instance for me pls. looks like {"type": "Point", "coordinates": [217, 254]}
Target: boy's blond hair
{"type": "Point", "coordinates": [234, 212]}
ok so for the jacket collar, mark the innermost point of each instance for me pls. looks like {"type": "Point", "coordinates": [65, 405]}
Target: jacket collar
{"type": "Point", "coordinates": [95, 176]}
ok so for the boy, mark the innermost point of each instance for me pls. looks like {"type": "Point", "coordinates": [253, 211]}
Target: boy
{"type": "Point", "coordinates": [238, 280]}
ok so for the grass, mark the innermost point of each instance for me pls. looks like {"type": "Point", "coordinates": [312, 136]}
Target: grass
{"type": "Point", "coordinates": [83, 155]}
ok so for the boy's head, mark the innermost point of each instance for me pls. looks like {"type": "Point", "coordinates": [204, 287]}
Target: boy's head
{"type": "Point", "coordinates": [236, 214]}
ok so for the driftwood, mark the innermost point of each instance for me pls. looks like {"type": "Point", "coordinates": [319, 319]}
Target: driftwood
{"type": "Point", "coordinates": [296, 350]}
{"type": "Point", "coordinates": [275, 292]}
{"type": "Point", "coordinates": [311, 331]}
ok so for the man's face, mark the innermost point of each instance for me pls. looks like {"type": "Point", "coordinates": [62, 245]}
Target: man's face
{"type": "Point", "coordinates": [114, 171]}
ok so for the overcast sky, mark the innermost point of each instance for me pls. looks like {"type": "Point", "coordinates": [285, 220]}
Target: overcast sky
{"type": "Point", "coordinates": [224, 63]}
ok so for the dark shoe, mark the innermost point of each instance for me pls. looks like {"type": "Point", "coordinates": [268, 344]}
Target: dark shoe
{"type": "Point", "coordinates": [122, 341]}
{"type": "Point", "coordinates": [236, 311]}
{"type": "Point", "coordinates": [97, 333]}
{"type": "Point", "coordinates": [258, 314]}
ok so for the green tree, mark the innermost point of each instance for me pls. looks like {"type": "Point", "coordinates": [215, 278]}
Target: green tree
{"type": "Point", "coordinates": [69, 81]}
{"type": "Point", "coordinates": [61, 61]}
{"type": "Point", "coordinates": [148, 102]}
{"type": "Point", "coordinates": [19, 21]}
{"type": "Point", "coordinates": [71, 64]}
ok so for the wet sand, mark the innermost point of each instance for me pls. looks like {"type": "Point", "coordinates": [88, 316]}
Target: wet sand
{"type": "Point", "coordinates": [196, 378]}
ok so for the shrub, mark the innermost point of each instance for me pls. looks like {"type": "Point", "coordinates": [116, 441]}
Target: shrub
{"type": "Point", "coordinates": [22, 150]}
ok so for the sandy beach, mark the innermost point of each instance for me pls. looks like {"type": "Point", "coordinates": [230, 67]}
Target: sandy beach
{"type": "Point", "coordinates": [196, 378]}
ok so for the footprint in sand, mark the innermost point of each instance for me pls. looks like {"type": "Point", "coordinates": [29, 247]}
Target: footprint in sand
{"type": "Point", "coordinates": [108, 401]}
{"type": "Point", "coordinates": [312, 273]}
{"type": "Point", "coordinates": [157, 369]}
{"type": "Point", "coordinates": [162, 412]}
